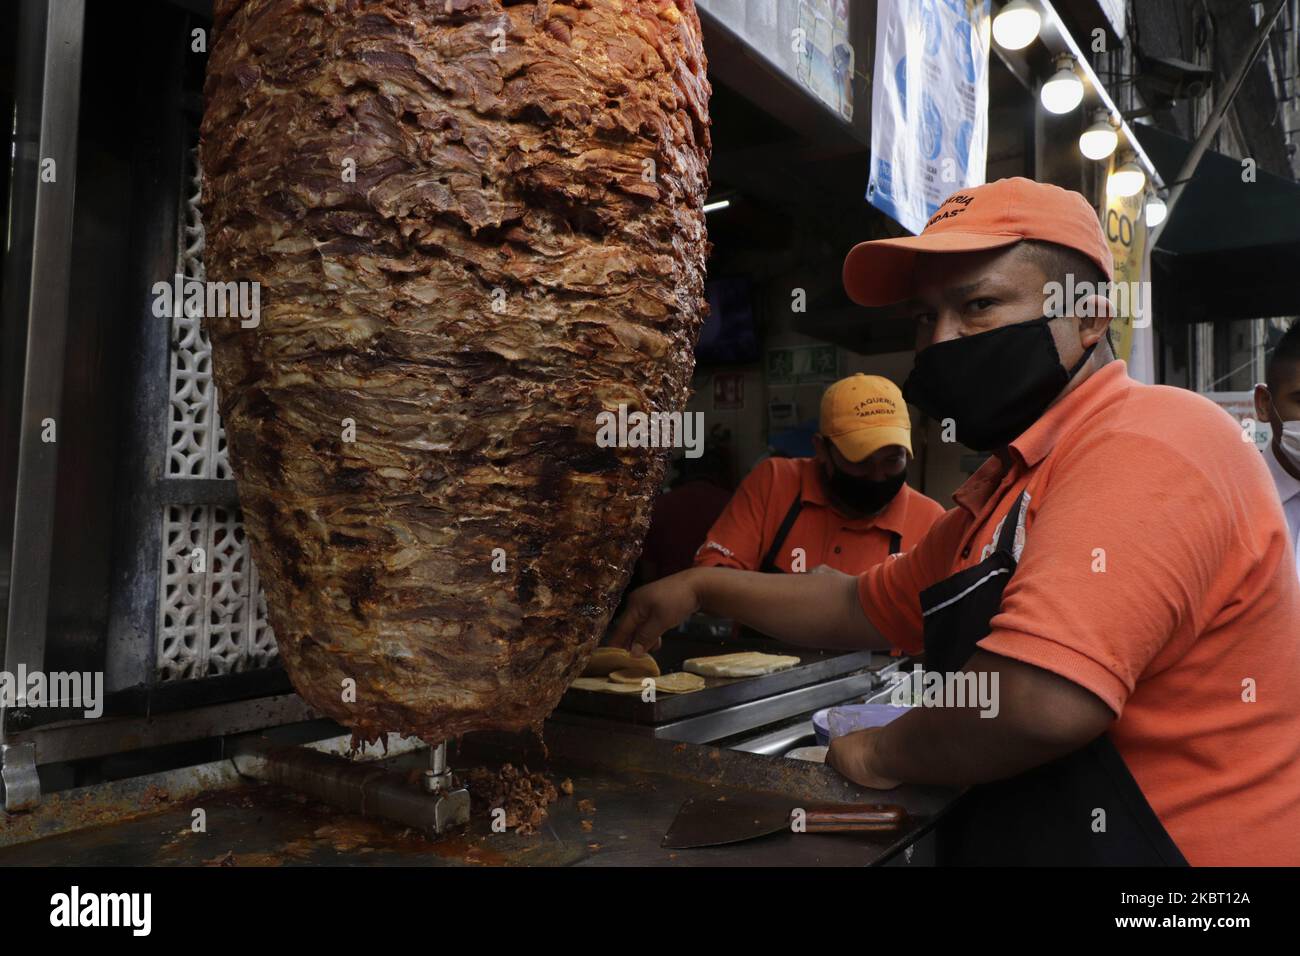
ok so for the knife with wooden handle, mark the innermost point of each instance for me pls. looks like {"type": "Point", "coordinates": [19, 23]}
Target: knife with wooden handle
{"type": "Point", "coordinates": [853, 818]}
{"type": "Point", "coordinates": [716, 821]}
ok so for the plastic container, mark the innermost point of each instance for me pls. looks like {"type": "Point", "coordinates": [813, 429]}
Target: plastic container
{"type": "Point", "coordinates": [834, 722]}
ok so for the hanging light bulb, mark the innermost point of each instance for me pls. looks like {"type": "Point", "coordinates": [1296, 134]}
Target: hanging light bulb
{"type": "Point", "coordinates": [1099, 140]}
{"type": "Point", "coordinates": [1156, 211]}
{"type": "Point", "coordinates": [1064, 91]}
{"type": "Point", "coordinates": [1128, 179]}
{"type": "Point", "coordinates": [1017, 25]}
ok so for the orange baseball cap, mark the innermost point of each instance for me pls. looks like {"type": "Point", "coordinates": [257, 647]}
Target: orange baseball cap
{"type": "Point", "coordinates": [862, 414]}
{"type": "Point", "coordinates": [997, 214]}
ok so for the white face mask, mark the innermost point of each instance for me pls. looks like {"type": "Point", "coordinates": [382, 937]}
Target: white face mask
{"type": "Point", "coordinates": [1289, 441]}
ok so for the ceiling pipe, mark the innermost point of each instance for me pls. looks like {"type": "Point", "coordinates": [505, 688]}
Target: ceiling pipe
{"type": "Point", "coordinates": [1220, 111]}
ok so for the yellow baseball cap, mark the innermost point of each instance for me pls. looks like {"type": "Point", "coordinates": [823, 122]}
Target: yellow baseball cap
{"type": "Point", "coordinates": [862, 414]}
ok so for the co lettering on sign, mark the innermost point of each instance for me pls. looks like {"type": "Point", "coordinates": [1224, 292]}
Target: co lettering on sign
{"type": "Point", "coordinates": [1119, 228]}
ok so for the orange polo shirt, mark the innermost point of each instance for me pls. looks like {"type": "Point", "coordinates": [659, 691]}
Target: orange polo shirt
{"type": "Point", "coordinates": [1155, 571]}
{"type": "Point", "coordinates": [745, 531]}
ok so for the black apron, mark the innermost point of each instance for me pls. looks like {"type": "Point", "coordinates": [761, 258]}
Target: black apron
{"type": "Point", "coordinates": [768, 564]}
{"type": "Point", "coordinates": [1043, 817]}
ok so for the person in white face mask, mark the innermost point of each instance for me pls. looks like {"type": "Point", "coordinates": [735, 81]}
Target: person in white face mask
{"type": "Point", "coordinates": [1278, 403]}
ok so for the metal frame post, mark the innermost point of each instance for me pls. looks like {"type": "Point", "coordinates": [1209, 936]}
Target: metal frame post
{"type": "Point", "coordinates": [54, 164]}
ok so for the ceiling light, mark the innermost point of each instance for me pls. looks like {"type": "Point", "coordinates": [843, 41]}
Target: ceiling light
{"type": "Point", "coordinates": [1099, 140]}
{"type": "Point", "coordinates": [1064, 91]}
{"type": "Point", "coordinates": [1128, 179]}
{"type": "Point", "coordinates": [1017, 25]}
{"type": "Point", "coordinates": [1156, 211]}
{"type": "Point", "coordinates": [716, 206]}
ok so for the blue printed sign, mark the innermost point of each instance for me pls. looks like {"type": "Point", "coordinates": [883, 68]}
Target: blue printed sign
{"type": "Point", "coordinates": [929, 105]}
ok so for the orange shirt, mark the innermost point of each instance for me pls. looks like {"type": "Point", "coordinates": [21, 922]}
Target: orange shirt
{"type": "Point", "coordinates": [746, 530]}
{"type": "Point", "coordinates": [1155, 571]}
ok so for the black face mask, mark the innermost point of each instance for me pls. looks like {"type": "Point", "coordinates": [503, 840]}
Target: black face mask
{"type": "Point", "coordinates": [862, 494]}
{"type": "Point", "coordinates": [994, 385]}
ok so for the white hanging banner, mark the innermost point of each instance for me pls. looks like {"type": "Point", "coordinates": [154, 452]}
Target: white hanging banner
{"type": "Point", "coordinates": [929, 105]}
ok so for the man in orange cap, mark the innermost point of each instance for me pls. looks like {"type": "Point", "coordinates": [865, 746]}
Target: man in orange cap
{"type": "Point", "coordinates": [847, 508]}
{"type": "Point", "coordinates": [1118, 574]}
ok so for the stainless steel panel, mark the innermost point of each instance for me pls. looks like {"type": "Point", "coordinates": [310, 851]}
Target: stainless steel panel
{"type": "Point", "coordinates": [46, 324]}
{"type": "Point", "coordinates": [78, 740]}
{"type": "Point", "coordinates": [814, 666]}
{"type": "Point", "coordinates": [730, 721]}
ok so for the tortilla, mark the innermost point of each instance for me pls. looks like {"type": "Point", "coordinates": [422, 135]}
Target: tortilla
{"type": "Point", "coordinates": [679, 682]}
{"type": "Point", "coordinates": [606, 660]}
{"type": "Point", "coordinates": [601, 685]}
{"type": "Point", "coordinates": [629, 677]}
{"type": "Point", "coordinates": [743, 664]}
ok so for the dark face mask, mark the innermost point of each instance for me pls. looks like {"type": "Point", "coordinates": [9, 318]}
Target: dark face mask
{"type": "Point", "coordinates": [994, 385]}
{"type": "Point", "coordinates": [862, 494]}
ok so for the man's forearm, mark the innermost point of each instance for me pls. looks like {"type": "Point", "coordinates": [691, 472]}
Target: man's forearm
{"type": "Point", "coordinates": [814, 610]}
{"type": "Point", "coordinates": [1037, 717]}
{"type": "Point", "coordinates": [951, 746]}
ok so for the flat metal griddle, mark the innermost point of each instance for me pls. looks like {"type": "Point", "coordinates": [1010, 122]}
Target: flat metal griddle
{"type": "Point", "coordinates": [814, 667]}
{"type": "Point", "coordinates": [627, 791]}
{"type": "Point", "coordinates": [636, 785]}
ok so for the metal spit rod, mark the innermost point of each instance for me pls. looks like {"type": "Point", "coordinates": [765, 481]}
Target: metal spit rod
{"type": "Point", "coordinates": [437, 778]}
{"type": "Point", "coordinates": [358, 787]}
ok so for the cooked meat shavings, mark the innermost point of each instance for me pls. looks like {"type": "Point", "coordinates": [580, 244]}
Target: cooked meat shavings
{"type": "Point", "coordinates": [523, 795]}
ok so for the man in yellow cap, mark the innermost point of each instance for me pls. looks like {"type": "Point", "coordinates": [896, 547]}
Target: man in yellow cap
{"type": "Point", "coordinates": [847, 508]}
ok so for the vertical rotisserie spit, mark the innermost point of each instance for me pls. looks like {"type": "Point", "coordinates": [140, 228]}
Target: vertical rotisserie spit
{"type": "Point", "coordinates": [475, 224]}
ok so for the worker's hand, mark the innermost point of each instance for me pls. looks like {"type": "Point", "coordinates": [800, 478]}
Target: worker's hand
{"type": "Point", "coordinates": [854, 756]}
{"type": "Point", "coordinates": [655, 608]}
